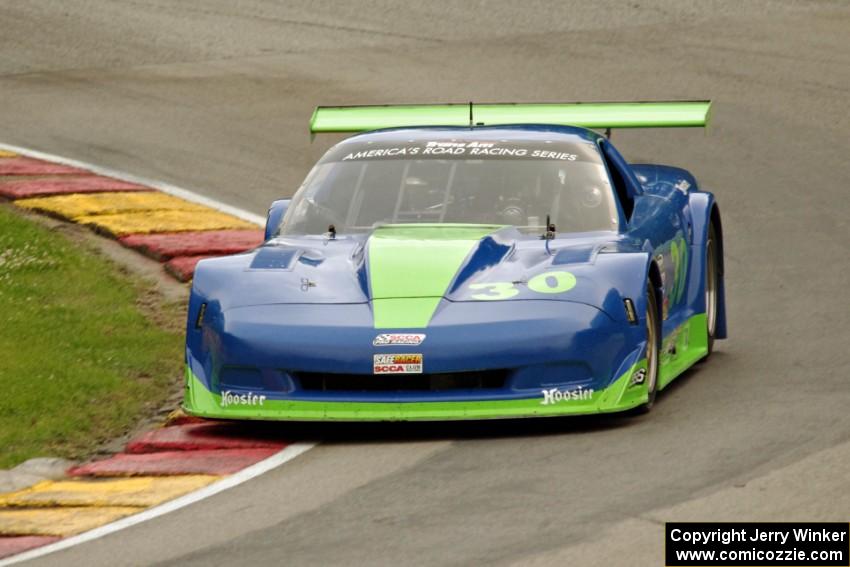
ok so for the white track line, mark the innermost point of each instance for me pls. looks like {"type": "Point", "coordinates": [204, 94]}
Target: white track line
{"type": "Point", "coordinates": [236, 479]}
{"type": "Point", "coordinates": [164, 187]}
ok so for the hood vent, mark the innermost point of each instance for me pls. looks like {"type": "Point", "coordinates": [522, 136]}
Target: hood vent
{"type": "Point", "coordinates": [274, 258]}
{"type": "Point", "coordinates": [574, 255]}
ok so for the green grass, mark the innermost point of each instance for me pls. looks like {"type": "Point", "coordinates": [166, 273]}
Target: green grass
{"type": "Point", "coordinates": [80, 363]}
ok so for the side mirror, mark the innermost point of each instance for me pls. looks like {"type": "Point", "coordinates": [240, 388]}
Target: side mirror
{"type": "Point", "coordinates": [275, 217]}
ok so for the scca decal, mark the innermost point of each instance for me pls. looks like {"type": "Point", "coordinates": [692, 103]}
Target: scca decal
{"type": "Point", "coordinates": [547, 282]}
{"type": "Point", "coordinates": [397, 364]}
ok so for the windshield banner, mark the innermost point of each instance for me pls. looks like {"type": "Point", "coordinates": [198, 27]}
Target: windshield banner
{"type": "Point", "coordinates": [474, 150]}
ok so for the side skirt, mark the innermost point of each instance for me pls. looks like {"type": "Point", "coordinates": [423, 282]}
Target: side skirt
{"type": "Point", "coordinates": [683, 348]}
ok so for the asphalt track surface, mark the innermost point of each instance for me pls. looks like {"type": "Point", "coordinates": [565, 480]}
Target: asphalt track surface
{"type": "Point", "coordinates": [216, 96]}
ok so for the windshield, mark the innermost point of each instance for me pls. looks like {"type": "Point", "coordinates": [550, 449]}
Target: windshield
{"type": "Point", "coordinates": [357, 186]}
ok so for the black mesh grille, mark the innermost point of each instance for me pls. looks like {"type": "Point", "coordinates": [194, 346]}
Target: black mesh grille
{"type": "Point", "coordinates": [488, 379]}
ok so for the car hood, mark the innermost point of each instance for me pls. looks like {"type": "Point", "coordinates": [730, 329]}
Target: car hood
{"type": "Point", "coordinates": [405, 271]}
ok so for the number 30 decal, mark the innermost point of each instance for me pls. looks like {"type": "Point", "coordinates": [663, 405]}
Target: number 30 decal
{"type": "Point", "coordinates": [548, 282]}
{"type": "Point", "coordinates": [495, 290]}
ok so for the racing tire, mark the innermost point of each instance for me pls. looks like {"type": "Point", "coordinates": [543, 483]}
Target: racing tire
{"type": "Point", "coordinates": [653, 348]}
{"type": "Point", "coordinates": [712, 284]}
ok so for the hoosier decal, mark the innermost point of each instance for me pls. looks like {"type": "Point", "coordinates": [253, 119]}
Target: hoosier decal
{"type": "Point", "coordinates": [398, 364]}
{"type": "Point", "coordinates": [228, 398]}
{"type": "Point", "coordinates": [554, 395]}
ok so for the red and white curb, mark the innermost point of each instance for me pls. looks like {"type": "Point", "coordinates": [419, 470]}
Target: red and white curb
{"type": "Point", "coordinates": [225, 483]}
{"type": "Point", "coordinates": [190, 452]}
{"type": "Point", "coordinates": [170, 224]}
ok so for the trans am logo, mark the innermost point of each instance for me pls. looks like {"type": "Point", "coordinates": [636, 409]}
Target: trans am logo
{"type": "Point", "coordinates": [398, 364]}
{"type": "Point", "coordinates": [409, 339]}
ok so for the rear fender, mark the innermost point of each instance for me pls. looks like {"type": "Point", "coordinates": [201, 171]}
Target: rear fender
{"type": "Point", "coordinates": [704, 209]}
{"type": "Point", "coordinates": [662, 179]}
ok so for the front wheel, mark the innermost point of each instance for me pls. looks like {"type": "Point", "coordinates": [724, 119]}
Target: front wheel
{"type": "Point", "coordinates": [653, 347]}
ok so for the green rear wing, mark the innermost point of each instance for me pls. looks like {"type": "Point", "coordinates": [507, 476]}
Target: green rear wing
{"type": "Point", "coordinates": [601, 115]}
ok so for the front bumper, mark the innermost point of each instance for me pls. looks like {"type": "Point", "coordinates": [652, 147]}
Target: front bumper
{"type": "Point", "coordinates": [619, 396]}
{"type": "Point", "coordinates": [575, 352]}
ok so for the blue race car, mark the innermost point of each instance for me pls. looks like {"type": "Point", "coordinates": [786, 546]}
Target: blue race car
{"type": "Point", "coordinates": [465, 262]}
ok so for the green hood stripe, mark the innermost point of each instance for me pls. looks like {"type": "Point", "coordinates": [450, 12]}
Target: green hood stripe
{"type": "Point", "coordinates": [404, 312]}
{"type": "Point", "coordinates": [411, 267]}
